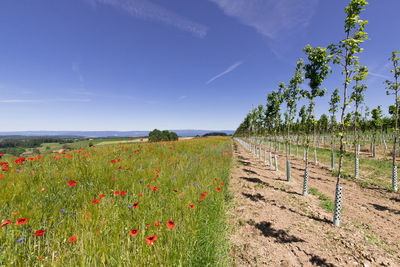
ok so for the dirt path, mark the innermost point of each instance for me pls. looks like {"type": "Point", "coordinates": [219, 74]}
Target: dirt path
{"type": "Point", "coordinates": [274, 225]}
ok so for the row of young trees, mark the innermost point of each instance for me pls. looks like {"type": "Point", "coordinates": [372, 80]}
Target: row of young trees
{"type": "Point", "coordinates": [263, 121]}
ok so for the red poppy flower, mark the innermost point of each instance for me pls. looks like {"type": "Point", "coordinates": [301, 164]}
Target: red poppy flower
{"type": "Point", "coordinates": [133, 232]}
{"type": "Point", "coordinates": [39, 233]}
{"type": "Point", "coordinates": [218, 189]}
{"type": "Point", "coordinates": [191, 206]}
{"type": "Point", "coordinates": [112, 161]}
{"type": "Point", "coordinates": [170, 224]}
{"type": "Point", "coordinates": [21, 221]}
{"type": "Point", "coordinates": [72, 239]}
{"type": "Point", "coordinates": [157, 170]}
{"type": "Point", "coordinates": [157, 224]}
{"type": "Point", "coordinates": [148, 186]}
{"type": "Point", "coordinates": [221, 184]}
{"type": "Point", "coordinates": [155, 188]}
{"type": "Point", "coordinates": [101, 196]}
{"type": "Point", "coordinates": [201, 196]}
{"type": "Point", "coordinates": [1, 176]}
{"type": "Point", "coordinates": [71, 183]}
{"type": "Point", "coordinates": [122, 193]}
{"type": "Point", "coordinates": [150, 240]}
{"type": "Point", "coordinates": [147, 225]}
{"type": "Point", "coordinates": [95, 201]}
{"type": "Point", "coordinates": [136, 205]}
{"type": "Point", "coordinates": [205, 193]}
{"type": "Point", "coordinates": [5, 223]}
{"type": "Point", "coordinates": [116, 193]}
{"type": "Point", "coordinates": [140, 195]}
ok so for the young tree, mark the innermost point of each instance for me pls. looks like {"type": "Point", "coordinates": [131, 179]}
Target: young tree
{"type": "Point", "coordinates": [260, 112]}
{"type": "Point", "coordinates": [345, 54]}
{"type": "Point", "coordinates": [272, 113]}
{"type": "Point", "coordinates": [316, 71]}
{"type": "Point", "coordinates": [291, 95]}
{"type": "Point", "coordinates": [358, 97]}
{"type": "Point", "coordinates": [333, 108]}
{"type": "Point", "coordinates": [376, 124]}
{"type": "Point", "coordinates": [394, 86]}
{"type": "Point", "coordinates": [323, 123]}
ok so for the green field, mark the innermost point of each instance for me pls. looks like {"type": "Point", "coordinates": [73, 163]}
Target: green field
{"type": "Point", "coordinates": [179, 189]}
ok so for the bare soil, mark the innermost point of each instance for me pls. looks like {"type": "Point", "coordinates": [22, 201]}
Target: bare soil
{"type": "Point", "coordinates": [274, 225]}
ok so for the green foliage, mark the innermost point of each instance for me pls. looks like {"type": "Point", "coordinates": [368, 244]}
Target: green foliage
{"type": "Point", "coordinates": [377, 118]}
{"type": "Point", "coordinates": [157, 136]}
{"type": "Point", "coordinates": [394, 85]}
{"type": "Point", "coordinates": [334, 104]}
{"type": "Point", "coordinates": [214, 134]}
{"type": "Point", "coordinates": [274, 102]}
{"type": "Point", "coordinates": [316, 70]}
{"type": "Point", "coordinates": [291, 94]}
{"type": "Point", "coordinates": [323, 123]}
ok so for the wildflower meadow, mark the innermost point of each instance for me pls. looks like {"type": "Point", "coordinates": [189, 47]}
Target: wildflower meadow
{"type": "Point", "coordinates": [127, 204]}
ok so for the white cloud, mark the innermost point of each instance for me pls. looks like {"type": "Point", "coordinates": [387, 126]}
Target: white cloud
{"type": "Point", "coordinates": [270, 17]}
{"type": "Point", "coordinates": [229, 69]}
{"type": "Point", "coordinates": [144, 9]}
{"type": "Point", "coordinates": [182, 97]}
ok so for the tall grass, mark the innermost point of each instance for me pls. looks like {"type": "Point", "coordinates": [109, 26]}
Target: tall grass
{"type": "Point", "coordinates": [39, 190]}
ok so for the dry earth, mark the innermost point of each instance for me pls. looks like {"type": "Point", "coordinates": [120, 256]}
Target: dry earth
{"type": "Point", "coordinates": [274, 225]}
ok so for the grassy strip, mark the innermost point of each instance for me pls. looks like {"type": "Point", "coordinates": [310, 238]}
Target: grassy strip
{"type": "Point", "coordinates": [373, 172]}
{"type": "Point", "coordinates": [326, 203]}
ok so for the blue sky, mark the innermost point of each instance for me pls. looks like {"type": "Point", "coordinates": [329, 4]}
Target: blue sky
{"type": "Point", "coordinates": [176, 64]}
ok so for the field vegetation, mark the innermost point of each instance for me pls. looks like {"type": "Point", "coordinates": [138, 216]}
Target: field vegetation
{"type": "Point", "coordinates": [119, 205]}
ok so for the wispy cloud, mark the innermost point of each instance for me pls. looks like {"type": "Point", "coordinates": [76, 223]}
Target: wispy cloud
{"type": "Point", "coordinates": [229, 69]}
{"type": "Point", "coordinates": [182, 97]}
{"type": "Point", "coordinates": [379, 75]}
{"type": "Point", "coordinates": [44, 100]}
{"type": "Point", "coordinates": [270, 17]}
{"type": "Point", "coordinates": [77, 70]}
{"type": "Point", "coordinates": [144, 9]}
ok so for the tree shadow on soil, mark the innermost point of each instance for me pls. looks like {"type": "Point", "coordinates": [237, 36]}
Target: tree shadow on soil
{"type": "Point", "coordinates": [281, 236]}
{"type": "Point", "coordinates": [257, 197]}
{"type": "Point", "coordinates": [384, 208]}
{"type": "Point", "coordinates": [245, 163]}
{"type": "Point", "coordinates": [317, 260]}
{"type": "Point", "coordinates": [258, 181]}
{"type": "Point", "coordinates": [242, 158]}
{"type": "Point", "coordinates": [312, 217]}
{"type": "Point", "coordinates": [395, 199]}
{"type": "Point", "coordinates": [249, 171]}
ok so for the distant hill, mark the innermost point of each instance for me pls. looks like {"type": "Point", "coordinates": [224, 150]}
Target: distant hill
{"type": "Point", "coordinates": [94, 134]}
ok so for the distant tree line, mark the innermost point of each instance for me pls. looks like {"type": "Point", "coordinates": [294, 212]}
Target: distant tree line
{"type": "Point", "coordinates": [214, 134]}
{"type": "Point", "coordinates": [157, 136]}
{"type": "Point", "coordinates": [32, 142]}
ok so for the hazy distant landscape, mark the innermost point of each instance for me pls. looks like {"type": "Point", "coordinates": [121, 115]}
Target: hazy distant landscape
{"type": "Point", "coordinates": [181, 133]}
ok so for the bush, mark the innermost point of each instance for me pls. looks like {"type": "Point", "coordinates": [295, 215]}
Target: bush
{"type": "Point", "coordinates": [157, 136]}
